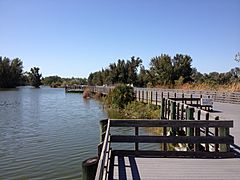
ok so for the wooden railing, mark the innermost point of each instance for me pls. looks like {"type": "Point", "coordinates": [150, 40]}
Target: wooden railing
{"type": "Point", "coordinates": [104, 150]}
{"type": "Point", "coordinates": [226, 97]}
{"type": "Point", "coordinates": [145, 93]}
{"type": "Point", "coordinates": [193, 140]}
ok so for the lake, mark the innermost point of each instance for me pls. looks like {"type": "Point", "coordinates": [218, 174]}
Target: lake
{"type": "Point", "coordinates": [46, 133]}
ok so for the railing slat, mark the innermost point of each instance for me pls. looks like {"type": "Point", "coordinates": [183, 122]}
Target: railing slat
{"type": "Point", "coordinates": [172, 123]}
{"type": "Point", "coordinates": [171, 139]}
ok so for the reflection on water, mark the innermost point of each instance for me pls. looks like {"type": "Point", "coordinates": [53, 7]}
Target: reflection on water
{"type": "Point", "coordinates": [46, 134]}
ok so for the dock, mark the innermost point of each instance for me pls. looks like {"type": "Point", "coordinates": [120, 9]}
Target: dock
{"type": "Point", "coordinates": [209, 133]}
{"type": "Point", "coordinates": [74, 88]}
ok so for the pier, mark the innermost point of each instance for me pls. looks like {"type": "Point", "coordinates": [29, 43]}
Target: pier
{"type": "Point", "coordinates": [199, 139]}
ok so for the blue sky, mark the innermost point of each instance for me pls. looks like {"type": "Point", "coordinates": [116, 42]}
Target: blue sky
{"type": "Point", "coordinates": [75, 37]}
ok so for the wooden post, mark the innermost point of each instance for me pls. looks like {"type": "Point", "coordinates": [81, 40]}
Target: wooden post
{"type": "Point", "coordinates": [89, 168]}
{"type": "Point", "coordinates": [147, 97]}
{"type": "Point", "coordinates": [173, 116]}
{"type": "Point", "coordinates": [178, 109]}
{"type": "Point", "coordinates": [190, 131]}
{"type": "Point", "coordinates": [182, 112]}
{"type": "Point", "coordinates": [151, 97]}
{"type": "Point", "coordinates": [162, 116]}
{"type": "Point", "coordinates": [136, 134]}
{"type": "Point", "coordinates": [216, 134]}
{"type": "Point", "coordinates": [207, 132]}
{"type": "Point", "coordinates": [224, 132]}
{"type": "Point", "coordinates": [190, 116]}
{"type": "Point", "coordinates": [197, 132]}
{"type": "Point", "coordinates": [165, 108]}
{"type": "Point", "coordinates": [169, 106]}
{"type": "Point", "coordinates": [142, 96]}
{"type": "Point", "coordinates": [103, 128]}
{"type": "Point", "coordinates": [156, 98]}
{"type": "Point", "coordinates": [139, 96]}
{"type": "Point", "coordinates": [191, 99]}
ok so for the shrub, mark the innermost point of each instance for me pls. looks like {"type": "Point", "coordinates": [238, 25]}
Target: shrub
{"type": "Point", "coordinates": [120, 96]}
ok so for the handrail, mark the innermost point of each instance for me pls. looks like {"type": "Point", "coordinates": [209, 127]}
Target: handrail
{"type": "Point", "coordinates": [170, 123]}
{"type": "Point", "coordinates": [220, 141]}
{"type": "Point", "coordinates": [102, 159]}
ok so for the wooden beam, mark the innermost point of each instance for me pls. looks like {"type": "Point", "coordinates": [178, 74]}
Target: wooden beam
{"type": "Point", "coordinates": [172, 123]}
{"type": "Point", "coordinates": [174, 154]}
{"type": "Point", "coordinates": [172, 139]}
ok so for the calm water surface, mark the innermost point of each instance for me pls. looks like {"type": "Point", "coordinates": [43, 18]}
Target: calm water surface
{"type": "Point", "coordinates": [46, 134]}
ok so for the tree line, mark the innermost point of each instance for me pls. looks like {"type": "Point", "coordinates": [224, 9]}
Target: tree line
{"type": "Point", "coordinates": [12, 75]}
{"type": "Point", "coordinates": [164, 70]}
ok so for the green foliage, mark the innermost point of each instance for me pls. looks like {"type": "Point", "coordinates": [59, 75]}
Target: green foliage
{"type": "Point", "coordinates": [120, 96]}
{"type": "Point", "coordinates": [135, 110]}
{"type": "Point", "coordinates": [124, 72]}
{"type": "Point", "coordinates": [161, 70]}
{"type": "Point", "coordinates": [10, 72]}
{"type": "Point", "coordinates": [56, 81]}
{"type": "Point", "coordinates": [35, 77]}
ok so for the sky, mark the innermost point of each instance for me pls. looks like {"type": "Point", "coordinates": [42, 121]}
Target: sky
{"type": "Point", "coordinates": [72, 38]}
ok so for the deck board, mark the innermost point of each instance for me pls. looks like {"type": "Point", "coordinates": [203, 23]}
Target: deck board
{"type": "Point", "coordinates": [175, 168]}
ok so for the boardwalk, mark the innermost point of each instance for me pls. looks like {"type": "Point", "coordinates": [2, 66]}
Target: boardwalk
{"type": "Point", "coordinates": [175, 168]}
{"type": "Point", "coordinates": [185, 168]}
{"type": "Point", "coordinates": [219, 158]}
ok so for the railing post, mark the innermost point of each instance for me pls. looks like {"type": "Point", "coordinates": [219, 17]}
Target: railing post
{"type": "Point", "coordinates": [224, 132]}
{"type": "Point", "coordinates": [139, 96]}
{"type": "Point", "coordinates": [103, 128]}
{"type": "Point", "coordinates": [147, 97]}
{"type": "Point", "coordinates": [197, 132]}
{"type": "Point", "coordinates": [216, 134]}
{"type": "Point", "coordinates": [207, 132]}
{"type": "Point", "coordinates": [169, 110]}
{"type": "Point", "coordinates": [151, 97]}
{"type": "Point", "coordinates": [173, 116]}
{"type": "Point", "coordinates": [136, 134]}
{"type": "Point", "coordinates": [162, 116]}
{"type": "Point", "coordinates": [190, 131]}
{"type": "Point", "coordinates": [142, 95]}
{"type": "Point", "coordinates": [156, 98]}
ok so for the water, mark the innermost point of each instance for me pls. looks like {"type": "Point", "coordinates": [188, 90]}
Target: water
{"type": "Point", "coordinates": [46, 134]}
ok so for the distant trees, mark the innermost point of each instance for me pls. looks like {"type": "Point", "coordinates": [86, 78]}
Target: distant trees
{"type": "Point", "coordinates": [125, 72]}
{"type": "Point", "coordinates": [35, 77]}
{"type": "Point", "coordinates": [56, 81]}
{"type": "Point", "coordinates": [10, 72]}
{"type": "Point", "coordinates": [163, 70]}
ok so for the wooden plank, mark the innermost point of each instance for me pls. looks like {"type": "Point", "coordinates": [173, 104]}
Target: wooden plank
{"type": "Point", "coordinates": [171, 139]}
{"type": "Point", "coordinates": [179, 168]}
{"type": "Point", "coordinates": [167, 123]}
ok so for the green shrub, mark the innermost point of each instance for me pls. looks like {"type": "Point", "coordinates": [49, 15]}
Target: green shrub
{"type": "Point", "coordinates": [120, 96]}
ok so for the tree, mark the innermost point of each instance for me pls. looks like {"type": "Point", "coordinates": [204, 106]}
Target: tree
{"type": "Point", "coordinates": [10, 72]}
{"type": "Point", "coordinates": [35, 77]}
{"type": "Point", "coordinates": [182, 67]}
{"type": "Point", "coordinates": [161, 70]}
{"type": "Point", "coordinates": [120, 96]}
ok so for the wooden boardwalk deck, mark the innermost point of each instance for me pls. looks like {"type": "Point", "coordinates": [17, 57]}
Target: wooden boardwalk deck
{"type": "Point", "coordinates": [175, 168]}
{"type": "Point", "coordinates": [127, 164]}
